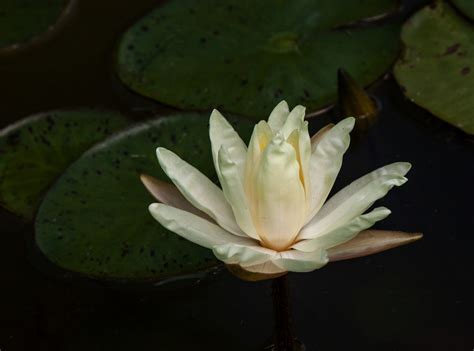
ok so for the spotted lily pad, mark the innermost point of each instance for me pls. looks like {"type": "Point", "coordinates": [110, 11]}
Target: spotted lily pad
{"type": "Point", "coordinates": [466, 6]}
{"type": "Point", "coordinates": [23, 20]}
{"type": "Point", "coordinates": [436, 70]}
{"type": "Point", "coordinates": [246, 56]}
{"type": "Point", "coordinates": [95, 219]}
{"type": "Point", "coordinates": [36, 150]}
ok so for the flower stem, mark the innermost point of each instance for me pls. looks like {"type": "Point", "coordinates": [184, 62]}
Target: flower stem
{"type": "Point", "coordinates": [284, 335]}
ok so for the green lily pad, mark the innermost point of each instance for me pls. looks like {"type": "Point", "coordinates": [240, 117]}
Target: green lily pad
{"type": "Point", "coordinates": [436, 70]}
{"type": "Point", "coordinates": [465, 6]}
{"type": "Point", "coordinates": [37, 149]}
{"type": "Point", "coordinates": [95, 219]}
{"type": "Point", "coordinates": [246, 56]}
{"type": "Point", "coordinates": [22, 20]}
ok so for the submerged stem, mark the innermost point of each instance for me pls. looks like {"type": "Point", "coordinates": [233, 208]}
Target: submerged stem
{"type": "Point", "coordinates": [284, 335]}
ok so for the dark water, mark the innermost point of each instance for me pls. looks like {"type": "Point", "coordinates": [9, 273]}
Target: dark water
{"type": "Point", "coordinates": [418, 297]}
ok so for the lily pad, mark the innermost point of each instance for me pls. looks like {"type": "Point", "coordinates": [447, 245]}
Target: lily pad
{"type": "Point", "coordinates": [465, 6]}
{"type": "Point", "coordinates": [23, 20]}
{"type": "Point", "coordinates": [436, 70]}
{"type": "Point", "coordinates": [246, 56]}
{"type": "Point", "coordinates": [37, 149]}
{"type": "Point", "coordinates": [95, 219]}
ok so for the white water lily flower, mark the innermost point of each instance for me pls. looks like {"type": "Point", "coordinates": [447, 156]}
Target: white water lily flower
{"type": "Point", "coordinates": [271, 215]}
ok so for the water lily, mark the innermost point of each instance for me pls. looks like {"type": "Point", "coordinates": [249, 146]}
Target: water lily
{"type": "Point", "coordinates": [271, 215]}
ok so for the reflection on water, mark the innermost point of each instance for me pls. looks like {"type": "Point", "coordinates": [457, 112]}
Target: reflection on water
{"type": "Point", "coordinates": [417, 297]}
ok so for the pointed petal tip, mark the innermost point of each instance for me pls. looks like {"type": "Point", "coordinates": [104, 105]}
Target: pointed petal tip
{"type": "Point", "coordinates": [282, 103]}
{"type": "Point", "coordinates": [148, 182]}
{"type": "Point", "coordinates": [414, 237]}
{"type": "Point", "coordinates": [215, 114]}
{"type": "Point", "coordinates": [145, 178]}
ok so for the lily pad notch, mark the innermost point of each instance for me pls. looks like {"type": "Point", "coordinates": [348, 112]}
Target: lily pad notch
{"type": "Point", "coordinates": [244, 57]}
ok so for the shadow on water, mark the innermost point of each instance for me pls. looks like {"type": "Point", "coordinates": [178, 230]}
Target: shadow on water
{"type": "Point", "coordinates": [417, 297]}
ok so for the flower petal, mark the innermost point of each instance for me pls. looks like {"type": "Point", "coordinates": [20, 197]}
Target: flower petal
{"type": "Point", "coordinates": [194, 228]}
{"type": "Point", "coordinates": [235, 194]}
{"type": "Point", "coordinates": [316, 138]}
{"type": "Point", "coordinates": [370, 242]}
{"type": "Point", "coordinates": [168, 194]}
{"type": "Point", "coordinates": [343, 233]}
{"type": "Point", "coordinates": [355, 198]}
{"type": "Point", "coordinates": [243, 255]}
{"type": "Point", "coordinates": [220, 132]}
{"type": "Point", "coordinates": [300, 141]}
{"type": "Point", "coordinates": [198, 190]}
{"type": "Point", "coordinates": [326, 162]}
{"type": "Point", "coordinates": [278, 116]}
{"type": "Point", "coordinates": [299, 261]}
{"type": "Point", "coordinates": [265, 268]}
{"type": "Point", "coordinates": [294, 120]}
{"type": "Point", "coordinates": [256, 275]}
{"type": "Point", "coordinates": [280, 197]}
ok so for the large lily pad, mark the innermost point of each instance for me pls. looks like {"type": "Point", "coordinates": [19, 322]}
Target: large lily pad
{"type": "Point", "coordinates": [22, 20]}
{"type": "Point", "coordinates": [436, 70]}
{"type": "Point", "coordinates": [95, 219]}
{"type": "Point", "coordinates": [466, 6]}
{"type": "Point", "coordinates": [246, 56]}
{"type": "Point", "coordinates": [36, 150]}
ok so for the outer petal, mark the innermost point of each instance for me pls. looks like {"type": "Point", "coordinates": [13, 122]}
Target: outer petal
{"type": "Point", "coordinates": [234, 192]}
{"type": "Point", "coordinates": [198, 190]}
{"type": "Point", "coordinates": [220, 132]}
{"type": "Point", "coordinates": [355, 199]}
{"type": "Point", "coordinates": [298, 261]}
{"type": "Point", "coordinates": [266, 268]}
{"type": "Point", "coordinates": [316, 138]}
{"type": "Point", "coordinates": [168, 194]}
{"type": "Point", "coordinates": [194, 228]}
{"type": "Point", "coordinates": [243, 255]}
{"type": "Point", "coordinates": [326, 162]}
{"type": "Point", "coordinates": [370, 242]}
{"type": "Point", "coordinates": [294, 120]}
{"type": "Point", "coordinates": [280, 197]}
{"type": "Point", "coordinates": [278, 116]}
{"type": "Point", "coordinates": [343, 233]}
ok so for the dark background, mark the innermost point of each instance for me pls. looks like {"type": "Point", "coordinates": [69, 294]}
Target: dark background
{"type": "Point", "coordinates": [418, 297]}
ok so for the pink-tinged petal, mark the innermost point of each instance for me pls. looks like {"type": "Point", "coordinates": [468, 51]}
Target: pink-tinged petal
{"type": "Point", "coordinates": [370, 242]}
{"type": "Point", "coordinates": [264, 271]}
{"type": "Point", "coordinates": [169, 194]}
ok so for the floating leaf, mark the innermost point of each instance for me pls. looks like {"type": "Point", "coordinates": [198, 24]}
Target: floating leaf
{"type": "Point", "coordinates": [436, 70]}
{"type": "Point", "coordinates": [246, 56]}
{"type": "Point", "coordinates": [37, 149]}
{"type": "Point", "coordinates": [95, 219]}
{"type": "Point", "coordinates": [22, 21]}
{"type": "Point", "coordinates": [465, 6]}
